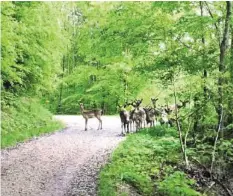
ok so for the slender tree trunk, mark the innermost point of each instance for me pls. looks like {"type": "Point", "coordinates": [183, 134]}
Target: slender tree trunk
{"type": "Point", "coordinates": [216, 140]}
{"type": "Point", "coordinates": [222, 67]}
{"type": "Point", "coordinates": [203, 57]}
{"type": "Point", "coordinates": [182, 141]}
{"type": "Point", "coordinates": [125, 89]}
{"type": "Point", "coordinates": [61, 89]}
{"type": "Point", "coordinates": [231, 61]}
{"type": "Point", "coordinates": [230, 99]}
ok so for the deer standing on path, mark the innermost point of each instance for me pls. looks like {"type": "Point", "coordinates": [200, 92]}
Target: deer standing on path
{"type": "Point", "coordinates": [125, 119]}
{"type": "Point", "coordinates": [91, 114]}
{"type": "Point", "coordinates": [157, 111]}
{"type": "Point", "coordinates": [140, 115]}
{"type": "Point", "coordinates": [150, 116]}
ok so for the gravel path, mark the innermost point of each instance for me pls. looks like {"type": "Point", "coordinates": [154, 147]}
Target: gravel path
{"type": "Point", "coordinates": [64, 163]}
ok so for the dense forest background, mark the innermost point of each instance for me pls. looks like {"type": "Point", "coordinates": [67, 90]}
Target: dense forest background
{"type": "Point", "coordinates": [106, 53]}
{"type": "Point", "coordinates": [55, 55]}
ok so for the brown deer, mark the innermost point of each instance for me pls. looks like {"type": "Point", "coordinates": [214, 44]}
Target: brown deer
{"type": "Point", "coordinates": [171, 111]}
{"type": "Point", "coordinates": [132, 118]}
{"type": "Point", "coordinates": [139, 115]}
{"type": "Point", "coordinates": [157, 111]}
{"type": "Point", "coordinates": [173, 108]}
{"type": "Point", "coordinates": [125, 118]}
{"type": "Point", "coordinates": [150, 116]}
{"type": "Point", "coordinates": [91, 114]}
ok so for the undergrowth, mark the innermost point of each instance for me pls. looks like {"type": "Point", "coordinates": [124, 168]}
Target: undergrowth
{"type": "Point", "coordinates": [147, 162]}
{"type": "Point", "coordinates": [24, 118]}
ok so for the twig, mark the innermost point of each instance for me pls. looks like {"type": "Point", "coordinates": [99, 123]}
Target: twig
{"type": "Point", "coordinates": [216, 139]}
{"type": "Point", "coordinates": [209, 187]}
{"type": "Point", "coordinates": [216, 26]}
{"type": "Point", "coordinates": [214, 178]}
{"type": "Point", "coordinates": [223, 186]}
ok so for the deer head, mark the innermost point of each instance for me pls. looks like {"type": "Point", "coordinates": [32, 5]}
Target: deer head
{"type": "Point", "coordinates": [154, 100]}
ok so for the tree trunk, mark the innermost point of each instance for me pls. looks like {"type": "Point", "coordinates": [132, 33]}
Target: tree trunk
{"type": "Point", "coordinates": [61, 89]}
{"type": "Point", "coordinates": [203, 57]}
{"type": "Point", "coordinates": [230, 99]}
{"type": "Point", "coordinates": [182, 141]}
{"type": "Point", "coordinates": [222, 67]}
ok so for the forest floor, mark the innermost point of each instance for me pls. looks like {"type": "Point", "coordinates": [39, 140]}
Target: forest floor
{"type": "Point", "coordinates": [64, 163]}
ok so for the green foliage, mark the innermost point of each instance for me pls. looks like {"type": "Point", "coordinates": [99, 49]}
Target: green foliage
{"type": "Point", "coordinates": [33, 36]}
{"type": "Point", "coordinates": [141, 158]}
{"type": "Point", "coordinates": [177, 184]}
{"type": "Point", "coordinates": [32, 45]}
{"type": "Point", "coordinates": [23, 119]}
{"type": "Point", "coordinates": [106, 53]}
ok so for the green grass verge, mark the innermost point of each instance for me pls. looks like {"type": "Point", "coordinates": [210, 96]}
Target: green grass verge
{"type": "Point", "coordinates": [23, 119]}
{"type": "Point", "coordinates": [146, 161]}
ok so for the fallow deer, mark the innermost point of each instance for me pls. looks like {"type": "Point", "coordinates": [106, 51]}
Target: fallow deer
{"type": "Point", "coordinates": [150, 116]}
{"type": "Point", "coordinates": [132, 118]}
{"type": "Point", "coordinates": [157, 112]}
{"type": "Point", "coordinates": [140, 114]}
{"type": "Point", "coordinates": [172, 109]}
{"type": "Point", "coordinates": [91, 114]}
{"type": "Point", "coordinates": [125, 119]}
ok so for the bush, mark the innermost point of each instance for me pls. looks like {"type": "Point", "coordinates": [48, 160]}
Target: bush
{"type": "Point", "coordinates": [24, 118]}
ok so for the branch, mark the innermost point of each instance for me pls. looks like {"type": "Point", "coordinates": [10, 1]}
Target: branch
{"type": "Point", "coordinates": [180, 132]}
{"type": "Point", "coordinates": [216, 26]}
{"type": "Point", "coordinates": [178, 39]}
{"type": "Point", "coordinates": [214, 178]}
{"type": "Point", "coordinates": [216, 139]}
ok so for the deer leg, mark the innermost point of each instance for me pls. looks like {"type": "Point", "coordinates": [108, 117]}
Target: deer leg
{"type": "Point", "coordinates": [122, 128]}
{"type": "Point", "coordinates": [100, 123]}
{"type": "Point", "coordinates": [137, 125]}
{"type": "Point", "coordinates": [86, 120]}
{"type": "Point", "coordinates": [127, 127]}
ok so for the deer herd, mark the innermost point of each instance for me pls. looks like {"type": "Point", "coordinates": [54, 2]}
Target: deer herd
{"type": "Point", "coordinates": [137, 116]}
{"type": "Point", "coordinates": [140, 117]}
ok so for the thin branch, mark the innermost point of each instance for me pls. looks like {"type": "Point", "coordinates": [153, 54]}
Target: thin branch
{"type": "Point", "coordinates": [214, 178]}
{"type": "Point", "coordinates": [216, 26]}
{"type": "Point", "coordinates": [187, 46]}
{"type": "Point", "coordinates": [209, 187]}
{"type": "Point", "coordinates": [180, 132]}
{"type": "Point", "coordinates": [216, 139]}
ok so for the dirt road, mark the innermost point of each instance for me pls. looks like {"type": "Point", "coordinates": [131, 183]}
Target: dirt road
{"type": "Point", "coordinates": [64, 163]}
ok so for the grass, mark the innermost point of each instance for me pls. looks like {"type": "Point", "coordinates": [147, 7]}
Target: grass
{"type": "Point", "coordinates": [23, 119]}
{"type": "Point", "coordinates": [146, 162]}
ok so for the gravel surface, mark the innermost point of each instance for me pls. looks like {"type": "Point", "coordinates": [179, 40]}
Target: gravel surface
{"type": "Point", "coordinates": [64, 163]}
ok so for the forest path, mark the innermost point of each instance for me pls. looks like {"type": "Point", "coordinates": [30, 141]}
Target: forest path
{"type": "Point", "coordinates": [63, 163]}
